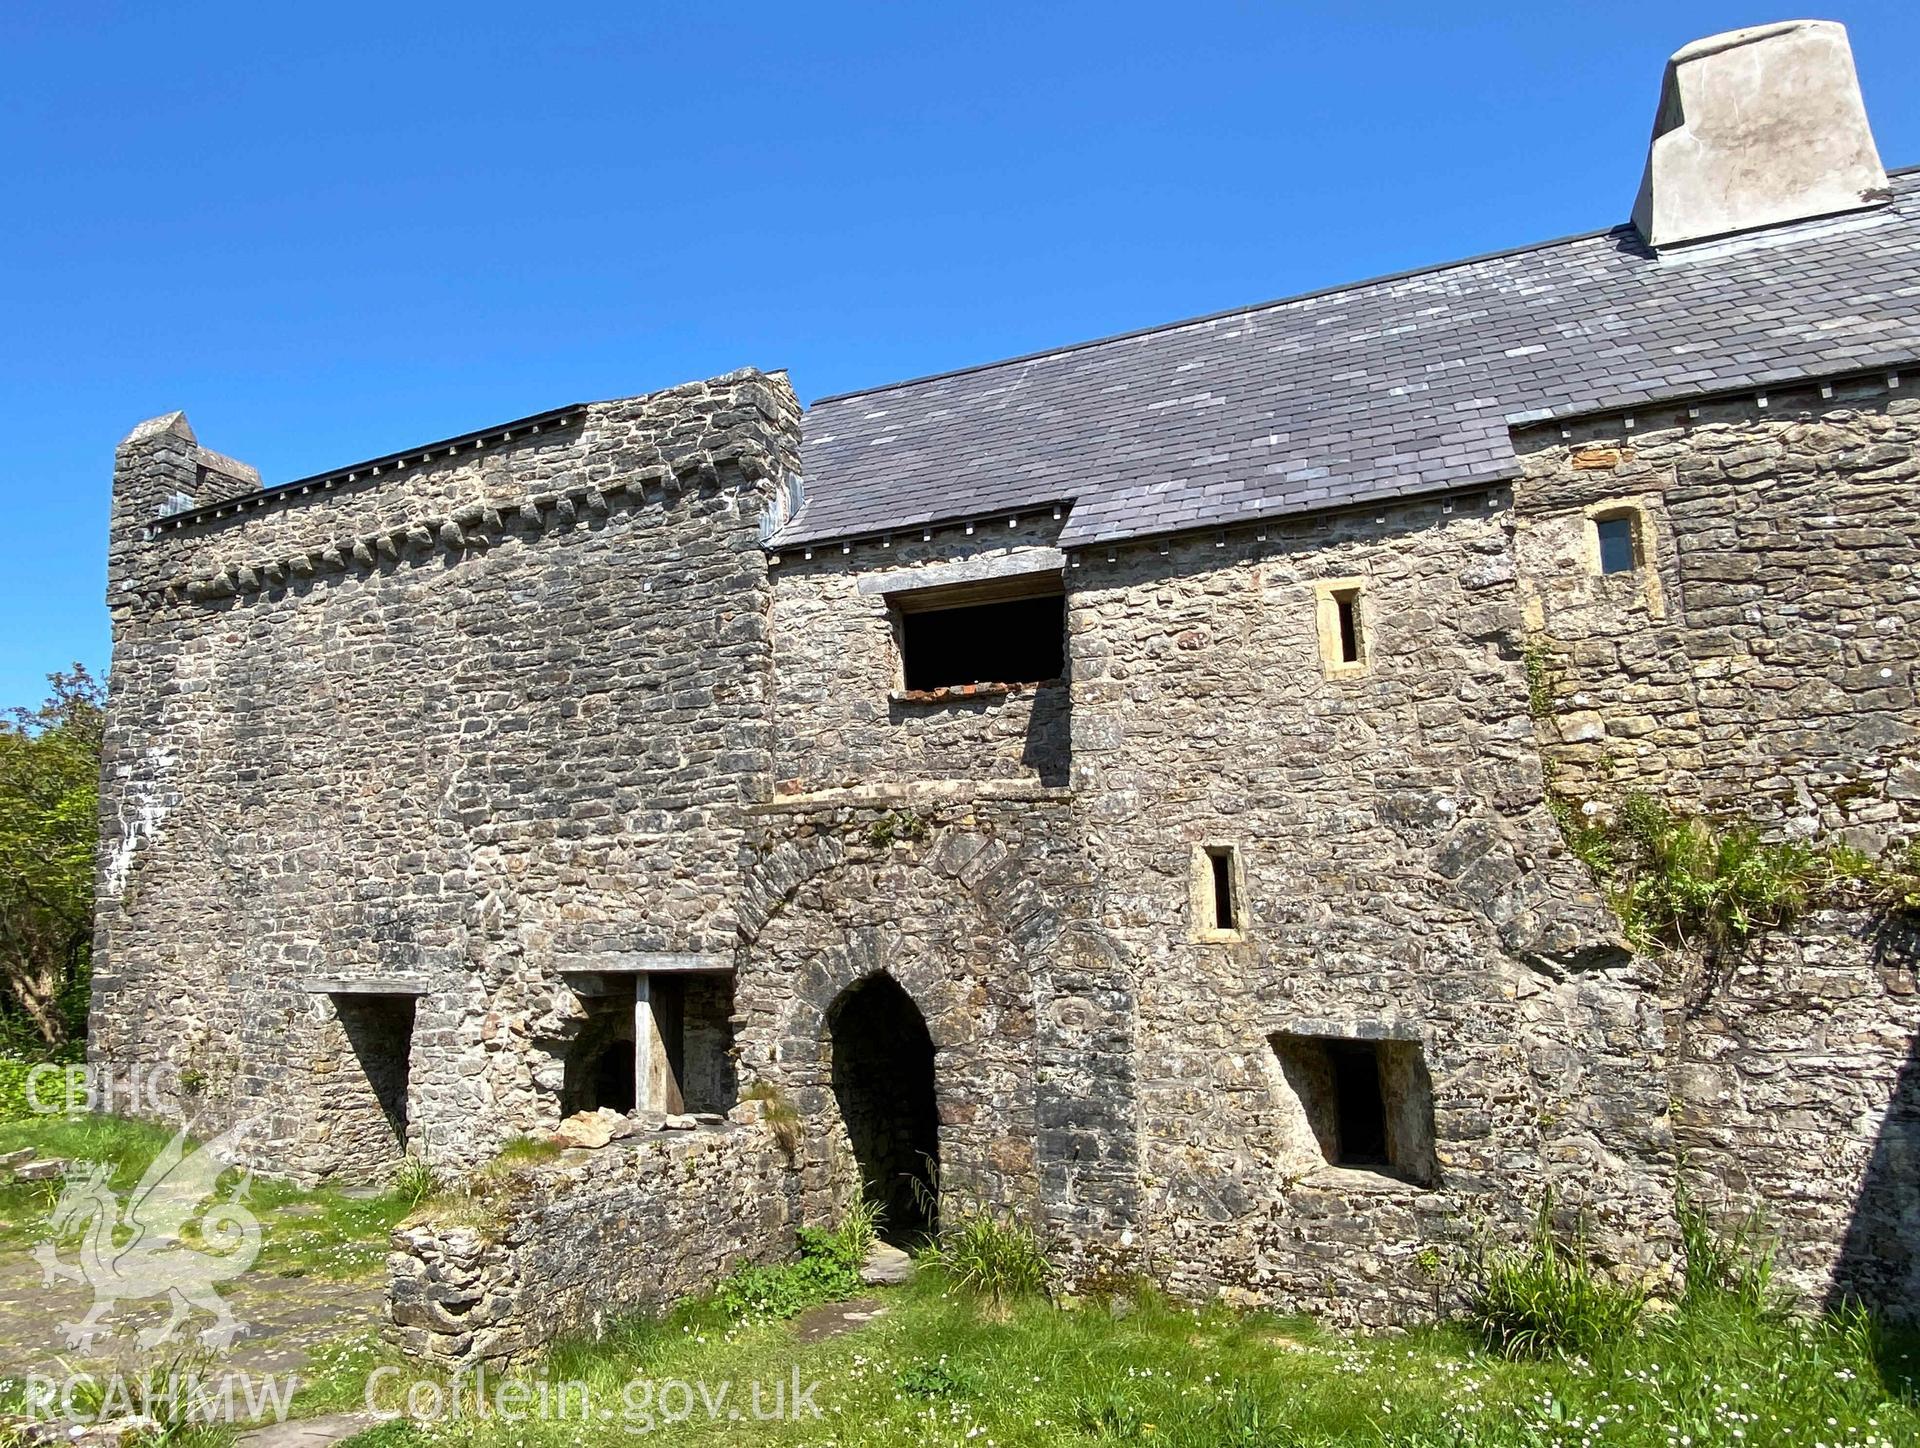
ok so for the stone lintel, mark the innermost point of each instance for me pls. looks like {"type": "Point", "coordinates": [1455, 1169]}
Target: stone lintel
{"type": "Point", "coordinates": [1019, 564]}
{"type": "Point", "coordinates": [1353, 1030]}
{"type": "Point", "coordinates": [384, 985]}
{"type": "Point", "coordinates": [639, 962]}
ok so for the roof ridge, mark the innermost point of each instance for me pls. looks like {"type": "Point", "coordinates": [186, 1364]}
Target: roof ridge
{"type": "Point", "coordinates": [1225, 312]}
{"type": "Point", "coordinates": [1149, 330]}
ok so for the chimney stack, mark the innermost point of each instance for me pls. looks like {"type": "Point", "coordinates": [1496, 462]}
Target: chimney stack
{"type": "Point", "coordinates": [1757, 127]}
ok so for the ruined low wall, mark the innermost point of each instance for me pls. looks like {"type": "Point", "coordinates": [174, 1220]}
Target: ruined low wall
{"type": "Point", "coordinates": [631, 1227]}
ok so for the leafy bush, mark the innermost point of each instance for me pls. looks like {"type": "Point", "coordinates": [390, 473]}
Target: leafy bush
{"type": "Point", "coordinates": [14, 1105]}
{"type": "Point", "coordinates": [900, 824]}
{"type": "Point", "coordinates": [1679, 879]}
{"type": "Point", "coordinates": [49, 831]}
{"type": "Point", "coordinates": [827, 1270]}
{"type": "Point", "coordinates": [1545, 1300]}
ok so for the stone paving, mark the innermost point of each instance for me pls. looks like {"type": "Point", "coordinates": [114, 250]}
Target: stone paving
{"type": "Point", "coordinates": [285, 1317]}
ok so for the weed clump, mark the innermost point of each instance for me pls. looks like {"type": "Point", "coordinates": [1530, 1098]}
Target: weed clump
{"type": "Point", "coordinates": [1547, 1300]}
{"type": "Point", "coordinates": [991, 1254]}
{"type": "Point", "coordinates": [778, 1112]}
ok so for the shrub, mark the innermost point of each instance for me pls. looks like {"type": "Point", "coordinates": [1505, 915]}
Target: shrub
{"type": "Point", "coordinates": [1545, 1300]}
{"type": "Point", "coordinates": [827, 1269]}
{"type": "Point", "coordinates": [901, 824]}
{"type": "Point", "coordinates": [1540, 679]}
{"type": "Point", "coordinates": [14, 1105]}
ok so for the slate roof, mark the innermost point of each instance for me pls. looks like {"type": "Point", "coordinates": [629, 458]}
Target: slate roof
{"type": "Point", "coordinates": [1362, 393]}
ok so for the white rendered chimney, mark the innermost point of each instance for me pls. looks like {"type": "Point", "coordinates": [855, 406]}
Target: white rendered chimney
{"type": "Point", "coordinates": [1757, 127]}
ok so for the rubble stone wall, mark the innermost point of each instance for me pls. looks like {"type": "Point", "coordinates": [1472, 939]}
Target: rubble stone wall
{"type": "Point", "coordinates": [571, 1245]}
{"type": "Point", "coordinates": [468, 726]}
{"type": "Point", "coordinates": [981, 913]}
{"type": "Point", "coordinates": [1403, 881]}
{"type": "Point", "coordinates": [1762, 667]}
{"type": "Point", "coordinates": [1764, 663]}
{"type": "Point", "coordinates": [840, 719]}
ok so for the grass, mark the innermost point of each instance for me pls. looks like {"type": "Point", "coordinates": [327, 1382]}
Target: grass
{"type": "Point", "coordinates": [777, 1111]}
{"type": "Point", "coordinates": [941, 1367]}
{"type": "Point", "coordinates": [322, 1231]}
{"type": "Point", "coordinates": [1547, 1299]}
{"type": "Point", "coordinates": [991, 1255]}
{"type": "Point", "coordinates": [948, 1363]}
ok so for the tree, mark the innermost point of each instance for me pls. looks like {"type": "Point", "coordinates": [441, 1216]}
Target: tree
{"type": "Point", "coordinates": [49, 829]}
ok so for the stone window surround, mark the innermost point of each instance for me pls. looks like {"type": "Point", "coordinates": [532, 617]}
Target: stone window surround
{"type": "Point", "coordinates": [1201, 905]}
{"type": "Point", "coordinates": [1327, 593]}
{"type": "Point", "coordinates": [1403, 1036]}
{"type": "Point", "coordinates": [1645, 574]}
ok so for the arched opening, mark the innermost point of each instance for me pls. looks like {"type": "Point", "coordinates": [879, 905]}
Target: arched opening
{"type": "Point", "coordinates": [883, 1082]}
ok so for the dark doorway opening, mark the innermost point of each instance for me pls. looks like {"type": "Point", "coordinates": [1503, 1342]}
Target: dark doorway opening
{"type": "Point", "coordinates": [379, 1030]}
{"type": "Point", "coordinates": [883, 1082]}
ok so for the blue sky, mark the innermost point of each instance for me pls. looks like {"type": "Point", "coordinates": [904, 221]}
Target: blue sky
{"type": "Point", "coordinates": [332, 231]}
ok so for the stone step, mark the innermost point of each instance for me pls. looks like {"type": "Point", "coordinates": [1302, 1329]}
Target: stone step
{"type": "Point", "coordinates": [886, 1266]}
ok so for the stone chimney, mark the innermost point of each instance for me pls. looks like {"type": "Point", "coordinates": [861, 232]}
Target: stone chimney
{"type": "Point", "coordinates": [1758, 127]}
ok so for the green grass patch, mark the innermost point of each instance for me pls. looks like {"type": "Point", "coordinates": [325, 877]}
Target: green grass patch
{"type": "Point", "coordinates": [1547, 1299]}
{"type": "Point", "coordinates": [940, 1367]}
{"type": "Point", "coordinates": [322, 1231]}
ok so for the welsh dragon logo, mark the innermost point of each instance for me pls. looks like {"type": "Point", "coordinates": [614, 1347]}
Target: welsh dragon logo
{"type": "Point", "coordinates": [138, 1250]}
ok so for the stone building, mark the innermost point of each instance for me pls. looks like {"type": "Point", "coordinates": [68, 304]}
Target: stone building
{"type": "Point", "coordinates": [1118, 776]}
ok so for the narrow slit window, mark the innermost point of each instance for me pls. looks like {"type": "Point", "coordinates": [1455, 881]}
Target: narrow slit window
{"type": "Point", "coordinates": [1225, 916]}
{"type": "Point", "coordinates": [1619, 547]}
{"type": "Point", "coordinates": [1346, 605]}
{"type": "Point", "coordinates": [1218, 907]}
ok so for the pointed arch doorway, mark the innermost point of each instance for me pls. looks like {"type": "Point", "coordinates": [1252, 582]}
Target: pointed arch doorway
{"type": "Point", "coordinates": [883, 1083]}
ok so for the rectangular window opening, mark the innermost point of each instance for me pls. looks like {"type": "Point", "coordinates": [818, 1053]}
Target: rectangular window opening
{"type": "Point", "coordinates": [1361, 1104]}
{"type": "Point", "coordinates": [1347, 603]}
{"type": "Point", "coordinates": [1619, 547]}
{"type": "Point", "coordinates": [1011, 641]}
